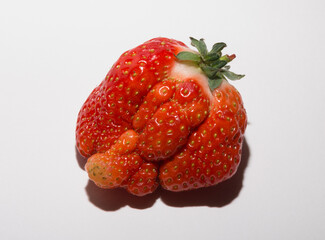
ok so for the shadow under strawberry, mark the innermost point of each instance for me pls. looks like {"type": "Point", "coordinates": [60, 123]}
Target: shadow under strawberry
{"type": "Point", "coordinates": [216, 196]}
{"type": "Point", "coordinates": [114, 199]}
{"type": "Point", "coordinates": [81, 160]}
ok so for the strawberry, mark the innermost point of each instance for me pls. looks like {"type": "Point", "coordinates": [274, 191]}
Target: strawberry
{"type": "Point", "coordinates": [163, 111]}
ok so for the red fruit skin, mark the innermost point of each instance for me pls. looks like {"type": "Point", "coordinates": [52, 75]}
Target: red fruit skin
{"type": "Point", "coordinates": [168, 129]}
{"type": "Point", "coordinates": [151, 108]}
{"type": "Point", "coordinates": [114, 167]}
{"type": "Point", "coordinates": [144, 180]}
{"type": "Point", "coordinates": [111, 171]}
{"type": "Point", "coordinates": [108, 111]}
{"type": "Point", "coordinates": [213, 151]}
{"type": "Point", "coordinates": [159, 94]}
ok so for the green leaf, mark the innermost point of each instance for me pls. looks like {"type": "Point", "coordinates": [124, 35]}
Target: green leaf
{"type": "Point", "coordinates": [200, 45]}
{"type": "Point", "coordinates": [211, 57]}
{"type": "Point", "coordinates": [214, 83]}
{"type": "Point", "coordinates": [218, 64]}
{"type": "Point", "coordinates": [231, 75]}
{"type": "Point", "coordinates": [209, 71]}
{"type": "Point", "coordinates": [217, 47]}
{"type": "Point", "coordinates": [189, 56]}
{"type": "Point", "coordinates": [219, 75]}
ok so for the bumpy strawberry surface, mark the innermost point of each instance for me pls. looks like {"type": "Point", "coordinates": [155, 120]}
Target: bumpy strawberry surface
{"type": "Point", "coordinates": [213, 151]}
{"type": "Point", "coordinates": [156, 119]}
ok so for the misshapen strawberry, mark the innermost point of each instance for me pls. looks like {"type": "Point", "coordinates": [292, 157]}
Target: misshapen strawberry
{"type": "Point", "coordinates": [183, 113]}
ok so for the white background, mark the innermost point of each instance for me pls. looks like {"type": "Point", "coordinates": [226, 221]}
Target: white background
{"type": "Point", "coordinates": [53, 53]}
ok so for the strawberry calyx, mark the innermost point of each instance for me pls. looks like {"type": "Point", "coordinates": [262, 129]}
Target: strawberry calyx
{"type": "Point", "coordinates": [212, 63]}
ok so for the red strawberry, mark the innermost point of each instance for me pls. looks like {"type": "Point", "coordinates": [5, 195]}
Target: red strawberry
{"type": "Point", "coordinates": [184, 113]}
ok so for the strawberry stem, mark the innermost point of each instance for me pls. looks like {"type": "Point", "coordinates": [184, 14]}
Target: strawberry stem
{"type": "Point", "coordinates": [212, 63]}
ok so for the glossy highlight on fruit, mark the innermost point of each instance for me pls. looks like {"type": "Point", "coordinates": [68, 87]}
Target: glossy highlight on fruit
{"type": "Point", "coordinates": [164, 115]}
